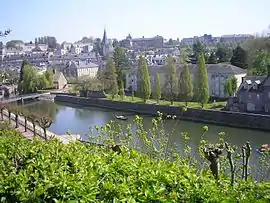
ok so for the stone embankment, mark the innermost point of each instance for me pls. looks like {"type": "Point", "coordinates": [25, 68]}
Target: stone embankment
{"type": "Point", "coordinates": [226, 118]}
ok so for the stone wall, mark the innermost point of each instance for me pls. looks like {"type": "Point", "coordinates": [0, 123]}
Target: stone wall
{"type": "Point", "coordinates": [233, 119]}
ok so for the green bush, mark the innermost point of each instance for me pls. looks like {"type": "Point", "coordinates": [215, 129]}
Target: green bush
{"type": "Point", "coordinates": [54, 172]}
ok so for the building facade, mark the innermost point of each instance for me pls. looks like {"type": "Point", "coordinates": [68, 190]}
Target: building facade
{"type": "Point", "coordinates": [217, 77]}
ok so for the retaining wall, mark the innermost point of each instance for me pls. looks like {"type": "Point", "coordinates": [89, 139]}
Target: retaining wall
{"type": "Point", "coordinates": [233, 119]}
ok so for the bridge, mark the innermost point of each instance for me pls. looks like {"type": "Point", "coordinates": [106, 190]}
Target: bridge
{"type": "Point", "coordinates": [24, 97]}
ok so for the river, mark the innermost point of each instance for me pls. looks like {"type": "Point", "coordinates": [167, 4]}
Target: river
{"type": "Point", "coordinates": [79, 119]}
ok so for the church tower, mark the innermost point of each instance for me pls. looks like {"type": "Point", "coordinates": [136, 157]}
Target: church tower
{"type": "Point", "coordinates": [106, 45]}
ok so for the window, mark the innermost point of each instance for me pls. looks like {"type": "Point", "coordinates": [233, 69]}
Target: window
{"type": "Point", "coordinates": [258, 96]}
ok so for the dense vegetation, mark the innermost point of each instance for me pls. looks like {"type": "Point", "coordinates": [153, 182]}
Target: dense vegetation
{"type": "Point", "coordinates": [54, 172]}
{"type": "Point", "coordinates": [30, 80]}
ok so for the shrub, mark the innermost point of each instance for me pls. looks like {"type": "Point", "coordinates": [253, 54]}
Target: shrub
{"type": "Point", "coordinates": [54, 172]}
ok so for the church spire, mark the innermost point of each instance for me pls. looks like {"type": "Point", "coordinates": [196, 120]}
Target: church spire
{"type": "Point", "coordinates": [104, 40]}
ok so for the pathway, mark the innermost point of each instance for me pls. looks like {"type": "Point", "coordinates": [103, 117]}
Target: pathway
{"type": "Point", "coordinates": [39, 131]}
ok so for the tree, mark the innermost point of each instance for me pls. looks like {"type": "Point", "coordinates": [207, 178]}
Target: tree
{"type": "Point", "coordinates": [201, 85]}
{"type": "Point", "coordinates": [198, 49]}
{"type": "Point", "coordinates": [212, 58]}
{"type": "Point", "coordinates": [13, 43]}
{"type": "Point", "coordinates": [45, 122]}
{"type": "Point", "coordinates": [16, 110]}
{"type": "Point", "coordinates": [239, 57]}
{"type": "Point", "coordinates": [33, 118]}
{"type": "Point", "coordinates": [24, 112]}
{"type": "Point", "coordinates": [228, 87]}
{"type": "Point", "coordinates": [259, 62]}
{"type": "Point", "coordinates": [157, 92]}
{"type": "Point", "coordinates": [185, 85]}
{"type": "Point", "coordinates": [144, 86]}
{"type": "Point", "coordinates": [49, 78]}
{"type": "Point", "coordinates": [29, 82]}
{"type": "Point", "coordinates": [111, 77]}
{"type": "Point", "coordinates": [115, 43]}
{"type": "Point", "coordinates": [97, 46]}
{"type": "Point", "coordinates": [122, 91]}
{"type": "Point", "coordinates": [121, 63]}
{"type": "Point", "coordinates": [5, 33]}
{"type": "Point", "coordinates": [234, 85]}
{"type": "Point", "coordinates": [172, 77]}
{"type": "Point", "coordinates": [223, 53]}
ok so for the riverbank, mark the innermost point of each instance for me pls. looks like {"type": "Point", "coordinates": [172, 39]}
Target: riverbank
{"type": "Point", "coordinates": [231, 119]}
{"type": "Point", "coordinates": [193, 105]}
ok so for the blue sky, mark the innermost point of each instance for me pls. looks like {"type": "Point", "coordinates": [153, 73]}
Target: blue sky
{"type": "Point", "coordinates": [70, 20]}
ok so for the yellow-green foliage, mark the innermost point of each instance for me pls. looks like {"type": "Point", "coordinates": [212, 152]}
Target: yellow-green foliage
{"type": "Point", "coordinates": [53, 172]}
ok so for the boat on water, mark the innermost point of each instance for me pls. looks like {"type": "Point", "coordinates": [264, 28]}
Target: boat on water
{"type": "Point", "coordinates": [121, 117]}
{"type": "Point", "coordinates": [264, 148]}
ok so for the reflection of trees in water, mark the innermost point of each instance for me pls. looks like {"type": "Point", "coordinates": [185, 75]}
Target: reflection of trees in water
{"type": "Point", "coordinates": [45, 108]}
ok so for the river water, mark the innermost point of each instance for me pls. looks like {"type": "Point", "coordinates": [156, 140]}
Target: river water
{"type": "Point", "coordinates": [79, 119]}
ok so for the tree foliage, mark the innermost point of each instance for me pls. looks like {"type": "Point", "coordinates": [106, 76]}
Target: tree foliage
{"type": "Point", "coordinates": [185, 85]}
{"type": "Point", "coordinates": [171, 82]}
{"type": "Point", "coordinates": [259, 62]}
{"type": "Point", "coordinates": [239, 58]}
{"type": "Point", "coordinates": [157, 92]}
{"type": "Point", "coordinates": [143, 86]}
{"type": "Point", "coordinates": [122, 91]}
{"type": "Point", "coordinates": [223, 53]}
{"type": "Point", "coordinates": [30, 80]}
{"type": "Point", "coordinates": [55, 172]}
{"type": "Point", "coordinates": [5, 33]}
{"type": "Point", "coordinates": [121, 63]}
{"type": "Point", "coordinates": [212, 58]}
{"type": "Point", "coordinates": [201, 83]}
{"type": "Point", "coordinates": [111, 77]}
{"type": "Point", "coordinates": [234, 84]}
{"type": "Point", "coordinates": [228, 87]}
{"type": "Point", "coordinates": [13, 43]}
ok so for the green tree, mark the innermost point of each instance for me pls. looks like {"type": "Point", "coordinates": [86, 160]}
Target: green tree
{"type": "Point", "coordinates": [157, 92]}
{"type": "Point", "coordinates": [13, 43]}
{"type": "Point", "coordinates": [41, 81]}
{"type": "Point", "coordinates": [112, 78]}
{"type": "Point", "coordinates": [185, 85]}
{"type": "Point", "coordinates": [259, 62]}
{"type": "Point", "coordinates": [201, 85]}
{"type": "Point", "coordinates": [49, 78]}
{"type": "Point", "coordinates": [172, 78]}
{"type": "Point", "coordinates": [24, 64]}
{"type": "Point", "coordinates": [115, 43]}
{"type": "Point", "coordinates": [29, 82]}
{"type": "Point", "coordinates": [121, 63]}
{"type": "Point", "coordinates": [198, 49]}
{"type": "Point", "coordinates": [234, 85]}
{"type": "Point", "coordinates": [239, 58]}
{"type": "Point", "coordinates": [144, 86]}
{"type": "Point", "coordinates": [223, 53]}
{"type": "Point", "coordinates": [212, 58]}
{"type": "Point", "coordinates": [122, 91]}
{"type": "Point", "coordinates": [228, 87]}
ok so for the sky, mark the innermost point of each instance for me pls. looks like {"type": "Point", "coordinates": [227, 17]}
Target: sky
{"type": "Point", "coordinates": [70, 20]}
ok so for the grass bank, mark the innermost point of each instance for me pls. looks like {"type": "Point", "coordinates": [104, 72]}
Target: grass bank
{"type": "Point", "coordinates": [195, 105]}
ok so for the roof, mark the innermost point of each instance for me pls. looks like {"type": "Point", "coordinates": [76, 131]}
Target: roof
{"type": "Point", "coordinates": [84, 64]}
{"type": "Point", "coordinates": [260, 81]}
{"type": "Point", "coordinates": [211, 68]}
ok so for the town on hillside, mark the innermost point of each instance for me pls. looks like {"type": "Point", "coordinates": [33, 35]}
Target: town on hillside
{"type": "Point", "coordinates": [237, 66]}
